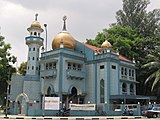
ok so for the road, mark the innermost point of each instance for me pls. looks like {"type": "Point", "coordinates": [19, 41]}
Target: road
{"type": "Point", "coordinates": [14, 117]}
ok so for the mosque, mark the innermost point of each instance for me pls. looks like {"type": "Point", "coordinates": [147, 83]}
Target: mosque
{"type": "Point", "coordinates": [72, 71]}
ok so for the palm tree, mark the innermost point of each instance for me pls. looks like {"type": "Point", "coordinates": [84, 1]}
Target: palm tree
{"type": "Point", "coordinates": [153, 65]}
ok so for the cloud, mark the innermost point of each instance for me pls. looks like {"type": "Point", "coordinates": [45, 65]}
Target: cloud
{"type": "Point", "coordinates": [85, 19]}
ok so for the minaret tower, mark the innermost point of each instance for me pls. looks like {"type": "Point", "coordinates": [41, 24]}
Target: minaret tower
{"type": "Point", "coordinates": [34, 42]}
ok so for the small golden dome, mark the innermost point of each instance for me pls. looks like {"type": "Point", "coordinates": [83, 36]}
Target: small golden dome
{"type": "Point", "coordinates": [66, 38]}
{"type": "Point", "coordinates": [106, 44]}
{"type": "Point", "coordinates": [36, 24]}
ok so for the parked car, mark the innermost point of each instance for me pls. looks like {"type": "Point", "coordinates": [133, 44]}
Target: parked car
{"type": "Point", "coordinates": [153, 112]}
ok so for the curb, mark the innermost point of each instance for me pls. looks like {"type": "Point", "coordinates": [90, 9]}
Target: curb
{"type": "Point", "coordinates": [75, 118]}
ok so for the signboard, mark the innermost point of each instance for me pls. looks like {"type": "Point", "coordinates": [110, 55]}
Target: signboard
{"type": "Point", "coordinates": [82, 106]}
{"type": "Point", "coordinates": [51, 103]}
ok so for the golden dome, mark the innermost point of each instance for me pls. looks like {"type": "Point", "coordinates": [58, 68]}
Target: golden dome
{"type": "Point", "coordinates": [36, 24]}
{"type": "Point", "coordinates": [66, 38]}
{"type": "Point", "coordinates": [106, 44]}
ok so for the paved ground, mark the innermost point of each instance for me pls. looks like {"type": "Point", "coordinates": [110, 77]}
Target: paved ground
{"type": "Point", "coordinates": [2, 117]}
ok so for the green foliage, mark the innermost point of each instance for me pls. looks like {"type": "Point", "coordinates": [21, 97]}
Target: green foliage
{"type": "Point", "coordinates": [99, 39]}
{"type": "Point", "coordinates": [6, 69]}
{"type": "Point", "coordinates": [124, 39]}
{"type": "Point", "coordinates": [153, 65]}
{"type": "Point", "coordinates": [22, 68]}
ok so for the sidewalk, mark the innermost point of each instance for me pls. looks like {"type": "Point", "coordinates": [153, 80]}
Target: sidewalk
{"type": "Point", "coordinates": [70, 118]}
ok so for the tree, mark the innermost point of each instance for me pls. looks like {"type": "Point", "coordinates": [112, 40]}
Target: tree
{"type": "Point", "coordinates": [153, 65]}
{"type": "Point", "coordinates": [22, 68]}
{"type": "Point", "coordinates": [99, 39]}
{"type": "Point", "coordinates": [6, 69]}
{"type": "Point", "coordinates": [122, 38]}
{"type": "Point", "coordinates": [135, 15]}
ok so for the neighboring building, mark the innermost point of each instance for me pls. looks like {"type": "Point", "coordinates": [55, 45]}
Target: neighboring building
{"type": "Point", "coordinates": [73, 71]}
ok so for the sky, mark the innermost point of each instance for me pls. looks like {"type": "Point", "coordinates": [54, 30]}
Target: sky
{"type": "Point", "coordinates": [85, 18]}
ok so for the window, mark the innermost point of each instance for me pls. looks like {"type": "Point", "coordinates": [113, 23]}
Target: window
{"type": "Point", "coordinates": [33, 58]}
{"type": "Point", "coordinates": [131, 89]}
{"type": "Point", "coordinates": [39, 34]}
{"type": "Point", "coordinates": [50, 65]}
{"type": "Point", "coordinates": [32, 67]}
{"type": "Point", "coordinates": [125, 71]}
{"type": "Point", "coordinates": [79, 67]}
{"type": "Point", "coordinates": [113, 67]}
{"type": "Point", "coordinates": [29, 49]}
{"type": "Point", "coordinates": [122, 70]}
{"type": "Point", "coordinates": [33, 49]}
{"type": "Point", "coordinates": [54, 65]}
{"type": "Point", "coordinates": [129, 72]}
{"type": "Point", "coordinates": [101, 91]}
{"type": "Point", "coordinates": [124, 87]}
{"type": "Point", "coordinates": [31, 33]}
{"type": "Point", "coordinates": [74, 66]}
{"type": "Point", "coordinates": [102, 67]}
{"type": "Point", "coordinates": [132, 73]}
{"type": "Point", "coordinates": [69, 65]}
{"type": "Point", "coordinates": [47, 66]}
{"type": "Point", "coordinates": [35, 33]}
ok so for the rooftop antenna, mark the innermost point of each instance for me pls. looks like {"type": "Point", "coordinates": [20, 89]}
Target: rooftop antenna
{"type": "Point", "coordinates": [64, 26]}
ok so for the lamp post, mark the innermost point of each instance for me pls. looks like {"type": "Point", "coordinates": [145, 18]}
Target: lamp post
{"type": "Point", "coordinates": [45, 25]}
{"type": "Point", "coordinates": [43, 98]}
{"type": "Point", "coordinates": [8, 83]}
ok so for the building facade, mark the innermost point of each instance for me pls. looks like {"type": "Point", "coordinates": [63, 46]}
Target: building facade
{"type": "Point", "coordinates": [74, 71]}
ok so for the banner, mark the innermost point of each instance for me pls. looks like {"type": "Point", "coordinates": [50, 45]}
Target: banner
{"type": "Point", "coordinates": [51, 103]}
{"type": "Point", "coordinates": [82, 106]}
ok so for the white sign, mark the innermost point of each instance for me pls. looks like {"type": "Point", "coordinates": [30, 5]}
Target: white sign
{"type": "Point", "coordinates": [82, 106]}
{"type": "Point", "coordinates": [51, 103]}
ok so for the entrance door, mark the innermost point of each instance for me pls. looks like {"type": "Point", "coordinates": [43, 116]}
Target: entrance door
{"type": "Point", "coordinates": [74, 95]}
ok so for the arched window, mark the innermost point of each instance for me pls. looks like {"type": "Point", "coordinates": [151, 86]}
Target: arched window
{"type": "Point", "coordinates": [132, 73]}
{"type": "Point", "coordinates": [35, 33]}
{"type": "Point", "coordinates": [124, 88]}
{"type": "Point", "coordinates": [101, 91]}
{"type": "Point", "coordinates": [125, 71]}
{"type": "Point", "coordinates": [131, 89]}
{"type": "Point", "coordinates": [122, 70]}
{"type": "Point", "coordinates": [129, 72]}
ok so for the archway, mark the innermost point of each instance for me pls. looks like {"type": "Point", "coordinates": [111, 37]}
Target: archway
{"type": "Point", "coordinates": [74, 95]}
{"type": "Point", "coordinates": [49, 91]}
{"type": "Point", "coordinates": [21, 104]}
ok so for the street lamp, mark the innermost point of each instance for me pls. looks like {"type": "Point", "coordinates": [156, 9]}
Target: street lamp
{"type": "Point", "coordinates": [6, 112]}
{"type": "Point", "coordinates": [45, 25]}
{"type": "Point", "coordinates": [8, 83]}
{"type": "Point", "coordinates": [43, 98]}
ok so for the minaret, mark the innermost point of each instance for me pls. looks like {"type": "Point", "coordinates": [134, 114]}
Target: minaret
{"type": "Point", "coordinates": [34, 42]}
